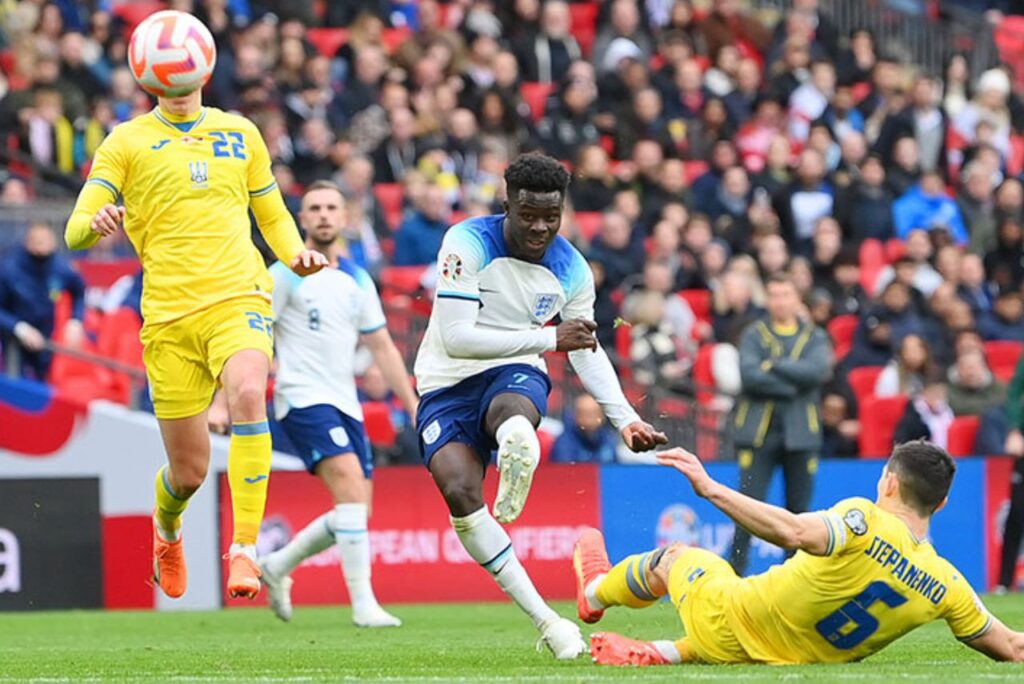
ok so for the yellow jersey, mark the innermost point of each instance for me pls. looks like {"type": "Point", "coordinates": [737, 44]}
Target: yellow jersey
{"type": "Point", "coordinates": [876, 583]}
{"type": "Point", "coordinates": [187, 187]}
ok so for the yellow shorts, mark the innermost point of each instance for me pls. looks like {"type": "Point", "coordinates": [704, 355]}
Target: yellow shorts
{"type": "Point", "coordinates": [699, 585]}
{"type": "Point", "coordinates": [184, 357]}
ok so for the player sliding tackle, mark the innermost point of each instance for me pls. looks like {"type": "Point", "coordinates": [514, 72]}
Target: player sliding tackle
{"type": "Point", "coordinates": [863, 576]}
{"type": "Point", "coordinates": [481, 377]}
{"type": "Point", "coordinates": [189, 175]}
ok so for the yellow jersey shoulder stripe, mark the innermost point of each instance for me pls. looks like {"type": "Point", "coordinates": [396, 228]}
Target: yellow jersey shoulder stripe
{"type": "Point", "coordinates": [263, 191]}
{"type": "Point", "coordinates": [106, 184]}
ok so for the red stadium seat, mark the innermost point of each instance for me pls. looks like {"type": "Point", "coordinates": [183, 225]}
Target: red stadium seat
{"type": "Point", "coordinates": [1003, 357]}
{"type": "Point", "coordinates": [703, 376]}
{"type": "Point", "coordinates": [962, 433]}
{"type": "Point", "coordinates": [535, 95]}
{"type": "Point", "coordinates": [589, 222]}
{"type": "Point", "coordinates": [878, 420]}
{"type": "Point", "coordinates": [377, 419]}
{"type": "Point", "coordinates": [547, 442]}
{"type": "Point", "coordinates": [131, 13]}
{"type": "Point", "coordinates": [327, 40]}
{"type": "Point", "coordinates": [841, 329]}
{"type": "Point", "coordinates": [401, 279]}
{"type": "Point", "coordinates": [862, 382]}
{"type": "Point", "coordinates": [584, 24]}
{"type": "Point", "coordinates": [390, 197]}
{"type": "Point", "coordinates": [393, 38]}
{"type": "Point", "coordinates": [694, 169]}
{"type": "Point", "coordinates": [872, 261]}
{"type": "Point", "coordinates": [894, 249]}
{"type": "Point", "coordinates": [699, 301]}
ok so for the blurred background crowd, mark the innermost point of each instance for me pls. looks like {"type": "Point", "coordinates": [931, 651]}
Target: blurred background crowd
{"type": "Point", "coordinates": [713, 145]}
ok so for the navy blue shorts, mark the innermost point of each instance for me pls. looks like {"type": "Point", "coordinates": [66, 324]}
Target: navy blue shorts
{"type": "Point", "coordinates": [457, 413]}
{"type": "Point", "coordinates": [322, 431]}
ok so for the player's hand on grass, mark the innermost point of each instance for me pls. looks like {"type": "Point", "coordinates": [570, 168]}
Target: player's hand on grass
{"type": "Point", "coordinates": [690, 466]}
{"type": "Point", "coordinates": [29, 337]}
{"type": "Point", "coordinates": [307, 262]}
{"type": "Point", "coordinates": [577, 333]}
{"type": "Point", "coordinates": [107, 220]}
{"type": "Point", "coordinates": [641, 436]}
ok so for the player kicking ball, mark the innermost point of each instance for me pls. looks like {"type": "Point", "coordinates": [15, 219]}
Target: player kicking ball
{"type": "Point", "coordinates": [481, 377]}
{"type": "Point", "coordinates": [320, 321]}
{"type": "Point", "coordinates": [188, 176]}
{"type": "Point", "coordinates": [864, 575]}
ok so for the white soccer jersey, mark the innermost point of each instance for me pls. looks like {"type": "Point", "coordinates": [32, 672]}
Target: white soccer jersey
{"type": "Point", "coordinates": [513, 296]}
{"type": "Point", "coordinates": [318, 322]}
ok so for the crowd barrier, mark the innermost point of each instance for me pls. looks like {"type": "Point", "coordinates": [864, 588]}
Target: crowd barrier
{"type": "Point", "coordinates": [76, 491]}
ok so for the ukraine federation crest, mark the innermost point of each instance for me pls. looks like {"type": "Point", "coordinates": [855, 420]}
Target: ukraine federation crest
{"type": "Point", "coordinates": [199, 172]}
{"type": "Point", "coordinates": [544, 306]}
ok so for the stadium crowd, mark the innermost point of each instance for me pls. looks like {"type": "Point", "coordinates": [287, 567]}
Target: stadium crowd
{"type": "Point", "coordinates": [712, 147]}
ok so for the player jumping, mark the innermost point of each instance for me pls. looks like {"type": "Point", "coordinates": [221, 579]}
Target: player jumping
{"type": "Point", "coordinates": [481, 377]}
{"type": "Point", "coordinates": [320, 320]}
{"type": "Point", "coordinates": [189, 175]}
{"type": "Point", "coordinates": [863, 576]}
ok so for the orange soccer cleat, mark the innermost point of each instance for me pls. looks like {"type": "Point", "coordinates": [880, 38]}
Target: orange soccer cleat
{"type": "Point", "coordinates": [589, 560]}
{"type": "Point", "coordinates": [169, 569]}
{"type": "Point", "coordinates": [243, 576]}
{"type": "Point", "coordinates": [608, 648]}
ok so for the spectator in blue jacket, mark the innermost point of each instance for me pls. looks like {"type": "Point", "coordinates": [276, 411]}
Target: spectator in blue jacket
{"type": "Point", "coordinates": [928, 206]}
{"type": "Point", "coordinates": [1006, 319]}
{"type": "Point", "coordinates": [32, 279]}
{"type": "Point", "coordinates": [587, 437]}
{"type": "Point", "coordinates": [418, 239]}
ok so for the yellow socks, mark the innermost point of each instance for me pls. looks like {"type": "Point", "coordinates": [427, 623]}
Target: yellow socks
{"type": "Point", "coordinates": [169, 507]}
{"type": "Point", "coordinates": [625, 584]}
{"type": "Point", "coordinates": [248, 474]}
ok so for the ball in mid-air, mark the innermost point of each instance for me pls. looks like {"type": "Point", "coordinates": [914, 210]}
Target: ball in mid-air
{"type": "Point", "coordinates": [171, 54]}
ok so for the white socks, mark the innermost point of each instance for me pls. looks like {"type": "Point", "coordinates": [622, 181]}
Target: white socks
{"type": "Point", "coordinates": [590, 592]}
{"type": "Point", "coordinates": [521, 424]}
{"type": "Point", "coordinates": [354, 544]}
{"type": "Point", "coordinates": [311, 540]}
{"type": "Point", "coordinates": [490, 546]}
{"type": "Point", "coordinates": [668, 651]}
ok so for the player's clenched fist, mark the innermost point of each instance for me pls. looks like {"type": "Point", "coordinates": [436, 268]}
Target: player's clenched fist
{"type": "Point", "coordinates": [307, 262]}
{"type": "Point", "coordinates": [641, 436]}
{"type": "Point", "coordinates": [107, 220]}
{"type": "Point", "coordinates": [574, 334]}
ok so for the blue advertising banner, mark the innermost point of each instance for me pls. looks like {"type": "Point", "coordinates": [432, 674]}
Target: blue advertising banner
{"type": "Point", "coordinates": [647, 506]}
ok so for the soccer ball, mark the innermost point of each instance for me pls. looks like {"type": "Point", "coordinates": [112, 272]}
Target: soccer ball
{"type": "Point", "coordinates": [171, 54]}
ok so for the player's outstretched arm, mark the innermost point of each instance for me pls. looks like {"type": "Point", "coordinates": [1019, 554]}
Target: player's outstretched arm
{"type": "Point", "coordinates": [389, 360]}
{"type": "Point", "coordinates": [806, 531]}
{"type": "Point", "coordinates": [278, 229]}
{"type": "Point", "coordinates": [93, 217]}
{"type": "Point", "coordinates": [1000, 642]}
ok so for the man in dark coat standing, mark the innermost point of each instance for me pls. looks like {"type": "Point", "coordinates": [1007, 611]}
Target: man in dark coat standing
{"type": "Point", "coordinates": [784, 363]}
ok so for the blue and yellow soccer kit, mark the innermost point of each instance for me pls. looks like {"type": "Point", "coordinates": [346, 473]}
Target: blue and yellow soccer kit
{"type": "Point", "coordinates": [187, 188]}
{"type": "Point", "coordinates": [876, 583]}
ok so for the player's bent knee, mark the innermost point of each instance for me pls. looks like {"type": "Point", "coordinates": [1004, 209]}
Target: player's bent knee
{"type": "Point", "coordinates": [187, 479]}
{"type": "Point", "coordinates": [247, 400]}
{"type": "Point", "coordinates": [660, 565]}
{"type": "Point", "coordinates": [462, 496]}
{"type": "Point", "coordinates": [504, 406]}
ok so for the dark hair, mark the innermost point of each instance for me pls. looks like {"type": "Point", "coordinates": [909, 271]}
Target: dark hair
{"type": "Point", "coordinates": [925, 473]}
{"type": "Point", "coordinates": [323, 185]}
{"type": "Point", "coordinates": [536, 172]}
{"type": "Point", "coordinates": [780, 278]}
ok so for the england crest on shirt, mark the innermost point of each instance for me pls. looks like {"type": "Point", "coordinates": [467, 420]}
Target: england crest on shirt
{"type": "Point", "coordinates": [544, 305]}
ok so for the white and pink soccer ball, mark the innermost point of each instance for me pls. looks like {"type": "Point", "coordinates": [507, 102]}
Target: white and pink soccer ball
{"type": "Point", "coordinates": [171, 54]}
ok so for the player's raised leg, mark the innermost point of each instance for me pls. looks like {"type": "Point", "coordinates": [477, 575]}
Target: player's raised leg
{"type": "Point", "coordinates": [632, 582]}
{"type": "Point", "coordinates": [512, 419]}
{"type": "Point", "coordinates": [459, 474]}
{"type": "Point", "coordinates": [188, 457]}
{"type": "Point", "coordinates": [245, 384]}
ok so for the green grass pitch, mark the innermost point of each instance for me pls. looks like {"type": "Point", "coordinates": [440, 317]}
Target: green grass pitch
{"type": "Point", "coordinates": [439, 643]}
